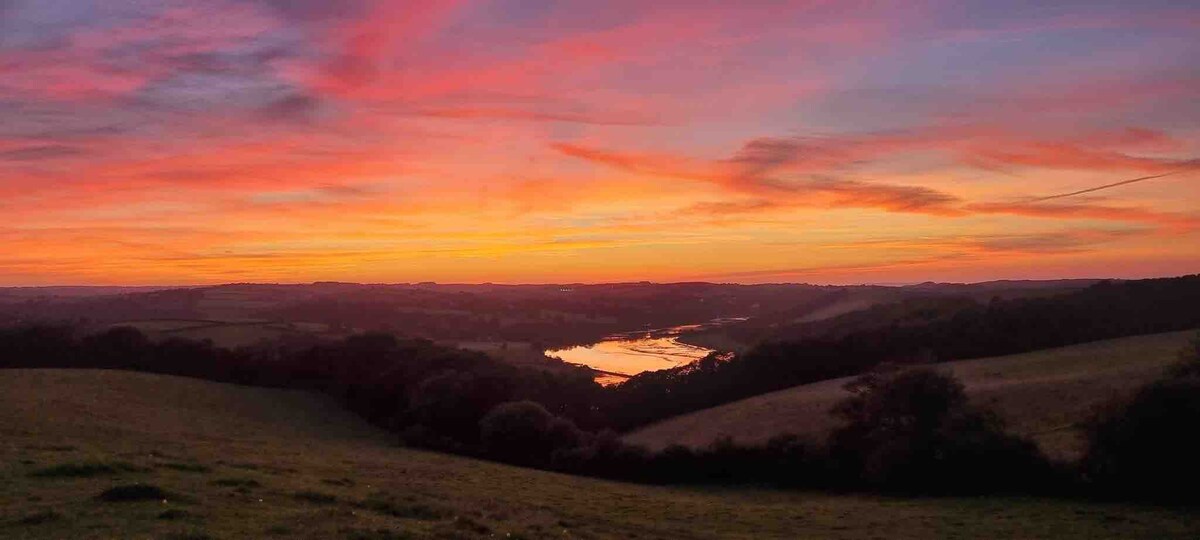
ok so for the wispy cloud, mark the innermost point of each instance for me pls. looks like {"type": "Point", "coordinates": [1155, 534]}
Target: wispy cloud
{"type": "Point", "coordinates": [404, 138]}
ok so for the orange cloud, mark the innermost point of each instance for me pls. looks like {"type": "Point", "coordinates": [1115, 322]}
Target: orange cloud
{"type": "Point", "coordinates": [1087, 211]}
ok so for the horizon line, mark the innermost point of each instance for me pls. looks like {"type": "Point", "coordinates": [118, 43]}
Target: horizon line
{"type": "Point", "coordinates": [582, 284]}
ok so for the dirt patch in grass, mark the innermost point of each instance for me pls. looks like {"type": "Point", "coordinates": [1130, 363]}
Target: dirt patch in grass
{"type": "Point", "coordinates": [134, 493]}
{"type": "Point", "coordinates": [51, 447]}
{"type": "Point", "coordinates": [173, 514]}
{"type": "Point", "coordinates": [376, 534]}
{"type": "Point", "coordinates": [188, 535]}
{"type": "Point", "coordinates": [462, 527]}
{"type": "Point", "coordinates": [381, 503]}
{"type": "Point", "coordinates": [39, 517]}
{"type": "Point", "coordinates": [187, 467]}
{"type": "Point", "coordinates": [245, 483]}
{"type": "Point", "coordinates": [315, 497]}
{"type": "Point", "coordinates": [269, 469]}
{"type": "Point", "coordinates": [280, 530]}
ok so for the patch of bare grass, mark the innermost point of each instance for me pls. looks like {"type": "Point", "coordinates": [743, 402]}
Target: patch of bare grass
{"type": "Point", "coordinates": [86, 469]}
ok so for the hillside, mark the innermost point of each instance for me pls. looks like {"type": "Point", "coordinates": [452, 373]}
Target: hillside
{"type": "Point", "coordinates": [241, 462]}
{"type": "Point", "coordinates": [840, 310]}
{"type": "Point", "coordinates": [1040, 394]}
{"type": "Point", "coordinates": [920, 330]}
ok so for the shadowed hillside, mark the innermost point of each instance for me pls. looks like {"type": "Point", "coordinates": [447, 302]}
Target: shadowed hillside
{"type": "Point", "coordinates": [1042, 394]}
{"type": "Point", "coordinates": [85, 457]}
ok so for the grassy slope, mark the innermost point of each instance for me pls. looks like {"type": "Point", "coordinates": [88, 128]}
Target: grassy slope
{"type": "Point", "coordinates": [235, 458]}
{"type": "Point", "coordinates": [1041, 394]}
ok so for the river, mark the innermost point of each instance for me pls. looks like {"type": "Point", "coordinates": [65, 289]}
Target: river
{"type": "Point", "coordinates": [620, 356]}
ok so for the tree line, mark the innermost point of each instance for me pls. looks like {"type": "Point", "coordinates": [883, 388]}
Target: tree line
{"type": "Point", "coordinates": [1102, 311]}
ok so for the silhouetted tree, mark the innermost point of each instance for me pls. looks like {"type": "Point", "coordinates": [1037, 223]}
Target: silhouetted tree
{"type": "Point", "coordinates": [518, 432]}
{"type": "Point", "coordinates": [1143, 445]}
{"type": "Point", "coordinates": [1189, 360]}
{"type": "Point", "coordinates": [914, 430]}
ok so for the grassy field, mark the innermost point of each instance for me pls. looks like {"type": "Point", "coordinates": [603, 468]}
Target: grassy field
{"type": "Point", "coordinates": [103, 454]}
{"type": "Point", "coordinates": [1041, 394]}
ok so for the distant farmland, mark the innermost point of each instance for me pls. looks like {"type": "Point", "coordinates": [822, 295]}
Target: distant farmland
{"type": "Point", "coordinates": [223, 333]}
{"type": "Point", "coordinates": [1041, 394]}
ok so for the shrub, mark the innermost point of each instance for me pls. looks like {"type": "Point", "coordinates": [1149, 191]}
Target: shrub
{"type": "Point", "coordinates": [675, 463]}
{"type": "Point", "coordinates": [453, 403]}
{"type": "Point", "coordinates": [915, 431]}
{"type": "Point", "coordinates": [1143, 446]}
{"type": "Point", "coordinates": [604, 454]}
{"type": "Point", "coordinates": [563, 433]}
{"type": "Point", "coordinates": [39, 517]}
{"type": "Point", "coordinates": [792, 460]}
{"type": "Point", "coordinates": [1189, 361]}
{"type": "Point", "coordinates": [525, 433]}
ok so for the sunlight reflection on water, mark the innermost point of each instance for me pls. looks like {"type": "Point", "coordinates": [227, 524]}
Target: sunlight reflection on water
{"type": "Point", "coordinates": [622, 355]}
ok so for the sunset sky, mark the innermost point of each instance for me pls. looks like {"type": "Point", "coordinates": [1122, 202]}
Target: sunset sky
{"type": "Point", "coordinates": [160, 142]}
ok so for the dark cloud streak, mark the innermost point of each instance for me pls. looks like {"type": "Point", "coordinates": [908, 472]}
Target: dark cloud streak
{"type": "Point", "coordinates": [38, 153]}
{"type": "Point", "coordinates": [1106, 186]}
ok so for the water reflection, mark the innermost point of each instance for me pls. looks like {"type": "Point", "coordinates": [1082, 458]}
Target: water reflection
{"type": "Point", "coordinates": [622, 355]}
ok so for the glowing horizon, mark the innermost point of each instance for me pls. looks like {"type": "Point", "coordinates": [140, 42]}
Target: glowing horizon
{"type": "Point", "coordinates": [172, 142]}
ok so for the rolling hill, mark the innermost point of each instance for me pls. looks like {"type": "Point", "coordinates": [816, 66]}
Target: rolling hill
{"type": "Point", "coordinates": [110, 454]}
{"type": "Point", "coordinates": [1040, 394]}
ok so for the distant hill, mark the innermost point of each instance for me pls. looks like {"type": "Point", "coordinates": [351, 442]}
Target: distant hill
{"type": "Point", "coordinates": [21, 293]}
{"type": "Point", "coordinates": [1042, 395]}
{"type": "Point", "coordinates": [532, 314]}
{"type": "Point", "coordinates": [179, 458]}
{"type": "Point", "coordinates": [489, 314]}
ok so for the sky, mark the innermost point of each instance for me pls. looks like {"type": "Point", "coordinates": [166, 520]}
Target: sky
{"type": "Point", "coordinates": [521, 141]}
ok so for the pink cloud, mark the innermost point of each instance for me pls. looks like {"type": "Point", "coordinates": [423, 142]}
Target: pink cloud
{"type": "Point", "coordinates": [799, 171]}
{"type": "Point", "coordinates": [114, 60]}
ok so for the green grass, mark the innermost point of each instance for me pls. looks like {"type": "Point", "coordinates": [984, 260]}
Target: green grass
{"type": "Point", "coordinates": [188, 467]}
{"type": "Point", "coordinates": [289, 442]}
{"type": "Point", "coordinates": [1042, 395]}
{"type": "Point", "coordinates": [84, 470]}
